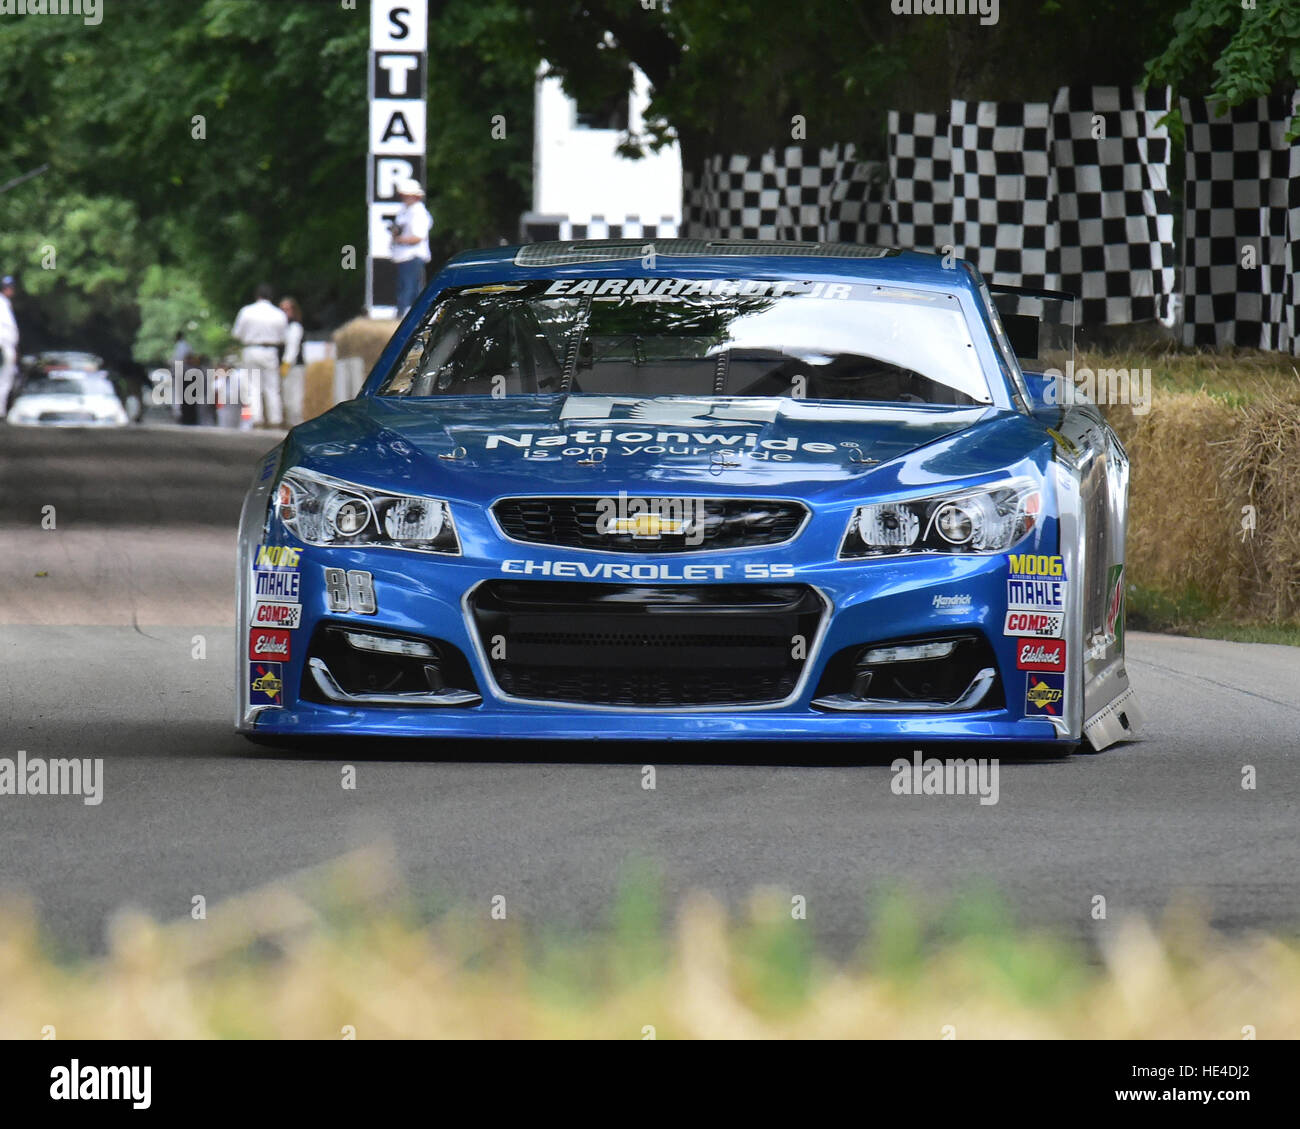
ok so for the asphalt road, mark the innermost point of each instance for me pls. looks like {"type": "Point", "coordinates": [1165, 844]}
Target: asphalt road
{"type": "Point", "coordinates": [98, 623]}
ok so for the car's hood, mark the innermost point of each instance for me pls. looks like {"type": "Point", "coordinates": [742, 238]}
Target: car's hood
{"type": "Point", "coordinates": [586, 444]}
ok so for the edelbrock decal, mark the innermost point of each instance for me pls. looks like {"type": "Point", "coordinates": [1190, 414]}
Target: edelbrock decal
{"type": "Point", "coordinates": [269, 643]}
{"type": "Point", "coordinates": [1039, 654]}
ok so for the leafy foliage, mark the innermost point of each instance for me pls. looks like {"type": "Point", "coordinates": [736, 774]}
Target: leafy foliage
{"type": "Point", "coordinates": [1233, 52]}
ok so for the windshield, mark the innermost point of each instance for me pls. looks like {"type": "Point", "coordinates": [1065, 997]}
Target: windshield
{"type": "Point", "coordinates": [69, 386]}
{"type": "Point", "coordinates": [694, 337]}
{"type": "Point", "coordinates": [83, 361]}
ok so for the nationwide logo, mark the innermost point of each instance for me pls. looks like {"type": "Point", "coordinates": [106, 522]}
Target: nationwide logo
{"type": "Point", "coordinates": [1043, 694]}
{"type": "Point", "coordinates": [1041, 625]}
{"type": "Point", "coordinates": [266, 683]}
{"type": "Point", "coordinates": [1033, 654]}
{"type": "Point", "coordinates": [274, 614]}
{"type": "Point", "coordinates": [268, 644]}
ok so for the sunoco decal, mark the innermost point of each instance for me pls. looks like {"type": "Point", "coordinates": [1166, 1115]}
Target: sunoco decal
{"type": "Point", "coordinates": [1044, 694]}
{"type": "Point", "coordinates": [265, 684]}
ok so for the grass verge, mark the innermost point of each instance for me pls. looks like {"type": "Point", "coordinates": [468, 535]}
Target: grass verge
{"type": "Point", "coordinates": [343, 950]}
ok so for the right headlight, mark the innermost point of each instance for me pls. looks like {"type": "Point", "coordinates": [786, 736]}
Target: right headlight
{"type": "Point", "coordinates": [322, 510]}
{"type": "Point", "coordinates": [988, 519]}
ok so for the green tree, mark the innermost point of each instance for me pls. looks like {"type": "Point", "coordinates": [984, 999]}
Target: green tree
{"type": "Point", "coordinates": [1234, 53]}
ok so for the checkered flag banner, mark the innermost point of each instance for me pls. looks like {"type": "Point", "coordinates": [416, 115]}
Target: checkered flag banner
{"type": "Point", "coordinates": [1241, 226]}
{"type": "Point", "coordinates": [1293, 243]}
{"type": "Point", "coordinates": [920, 181]}
{"type": "Point", "coordinates": [1003, 206]}
{"type": "Point", "coordinates": [824, 195]}
{"type": "Point", "coordinates": [1110, 158]}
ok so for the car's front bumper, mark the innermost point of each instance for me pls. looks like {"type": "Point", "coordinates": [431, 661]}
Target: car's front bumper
{"type": "Point", "coordinates": [865, 603]}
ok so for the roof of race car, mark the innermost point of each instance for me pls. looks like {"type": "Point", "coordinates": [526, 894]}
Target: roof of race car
{"type": "Point", "coordinates": [709, 256]}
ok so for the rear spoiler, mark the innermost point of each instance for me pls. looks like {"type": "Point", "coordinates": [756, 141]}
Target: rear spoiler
{"type": "Point", "coordinates": [1040, 325]}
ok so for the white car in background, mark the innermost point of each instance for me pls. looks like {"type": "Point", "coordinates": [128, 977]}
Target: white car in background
{"type": "Point", "coordinates": [68, 398]}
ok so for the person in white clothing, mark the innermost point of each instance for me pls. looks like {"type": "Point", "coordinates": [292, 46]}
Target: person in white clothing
{"type": "Point", "coordinates": [291, 363]}
{"type": "Point", "coordinates": [260, 328]}
{"type": "Point", "coordinates": [410, 228]}
{"type": "Point", "coordinates": [8, 343]}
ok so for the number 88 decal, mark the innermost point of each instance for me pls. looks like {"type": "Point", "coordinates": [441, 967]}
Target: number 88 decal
{"type": "Point", "coordinates": [351, 591]}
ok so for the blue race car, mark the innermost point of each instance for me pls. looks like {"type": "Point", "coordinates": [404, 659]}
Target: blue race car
{"type": "Point", "coordinates": [690, 489]}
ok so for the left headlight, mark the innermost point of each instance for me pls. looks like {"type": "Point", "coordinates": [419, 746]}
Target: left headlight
{"type": "Point", "coordinates": [321, 510]}
{"type": "Point", "coordinates": [989, 519]}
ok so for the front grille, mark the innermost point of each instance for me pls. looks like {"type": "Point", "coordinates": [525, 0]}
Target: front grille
{"type": "Point", "coordinates": [649, 646]}
{"type": "Point", "coordinates": [67, 417]}
{"type": "Point", "coordinates": [705, 523]}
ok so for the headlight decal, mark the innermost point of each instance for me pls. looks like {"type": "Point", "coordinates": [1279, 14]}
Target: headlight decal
{"type": "Point", "coordinates": [321, 510]}
{"type": "Point", "coordinates": [987, 519]}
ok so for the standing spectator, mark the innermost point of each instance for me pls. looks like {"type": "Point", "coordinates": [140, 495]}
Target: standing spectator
{"type": "Point", "coordinates": [259, 328]}
{"type": "Point", "coordinates": [291, 366]}
{"type": "Point", "coordinates": [181, 357]}
{"type": "Point", "coordinates": [8, 343]}
{"type": "Point", "coordinates": [410, 227]}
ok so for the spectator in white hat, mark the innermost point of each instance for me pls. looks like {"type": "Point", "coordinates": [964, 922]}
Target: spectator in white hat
{"type": "Point", "coordinates": [410, 228]}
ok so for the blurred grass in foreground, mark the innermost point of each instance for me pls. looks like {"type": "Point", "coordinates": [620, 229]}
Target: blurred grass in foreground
{"type": "Point", "coordinates": [342, 947]}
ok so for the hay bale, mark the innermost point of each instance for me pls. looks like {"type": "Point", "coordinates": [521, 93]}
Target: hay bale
{"type": "Point", "coordinates": [1184, 513]}
{"type": "Point", "coordinates": [318, 389]}
{"type": "Point", "coordinates": [1197, 462]}
{"type": "Point", "coordinates": [1261, 465]}
{"type": "Point", "coordinates": [364, 338]}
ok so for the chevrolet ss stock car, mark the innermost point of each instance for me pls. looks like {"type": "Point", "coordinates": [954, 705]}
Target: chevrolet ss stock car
{"type": "Point", "coordinates": [702, 490]}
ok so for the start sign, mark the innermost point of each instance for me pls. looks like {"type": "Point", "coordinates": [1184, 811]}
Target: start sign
{"type": "Point", "coordinates": [399, 42]}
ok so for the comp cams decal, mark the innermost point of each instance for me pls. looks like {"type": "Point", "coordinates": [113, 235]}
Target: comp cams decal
{"type": "Point", "coordinates": [1042, 625]}
{"type": "Point", "coordinates": [275, 613]}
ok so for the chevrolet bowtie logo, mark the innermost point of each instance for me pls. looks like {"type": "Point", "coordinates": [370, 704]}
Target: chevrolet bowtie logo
{"type": "Point", "coordinates": [645, 525]}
